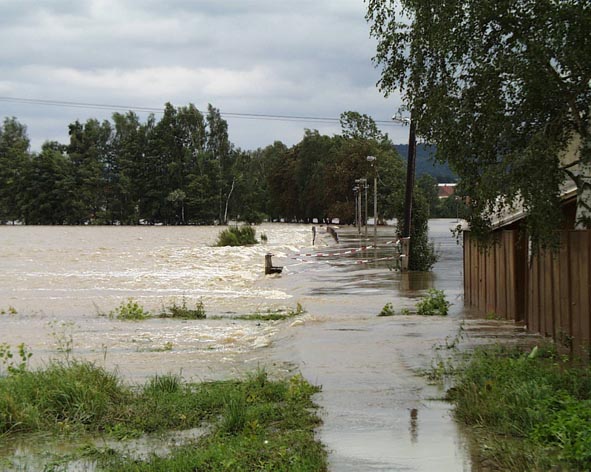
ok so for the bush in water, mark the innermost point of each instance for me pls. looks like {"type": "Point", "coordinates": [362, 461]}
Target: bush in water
{"type": "Point", "coordinates": [237, 236]}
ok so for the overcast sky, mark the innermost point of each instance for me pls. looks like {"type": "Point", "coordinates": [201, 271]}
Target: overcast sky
{"type": "Point", "coordinates": [303, 58]}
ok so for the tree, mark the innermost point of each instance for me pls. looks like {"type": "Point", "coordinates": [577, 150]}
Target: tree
{"type": "Point", "coordinates": [14, 155]}
{"type": "Point", "coordinates": [129, 147]}
{"type": "Point", "coordinates": [428, 185]}
{"type": "Point", "coordinates": [50, 196]}
{"type": "Point", "coordinates": [219, 148]}
{"type": "Point", "coordinates": [360, 126]}
{"type": "Point", "coordinates": [90, 153]}
{"type": "Point", "coordinates": [502, 88]}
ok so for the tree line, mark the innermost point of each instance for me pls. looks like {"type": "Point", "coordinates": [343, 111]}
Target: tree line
{"type": "Point", "coordinates": [183, 169]}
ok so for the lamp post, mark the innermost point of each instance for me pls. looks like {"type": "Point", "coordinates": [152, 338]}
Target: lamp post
{"type": "Point", "coordinates": [356, 193]}
{"type": "Point", "coordinates": [365, 219]}
{"type": "Point", "coordinates": [362, 185]}
{"type": "Point", "coordinates": [359, 197]}
{"type": "Point", "coordinates": [372, 160]}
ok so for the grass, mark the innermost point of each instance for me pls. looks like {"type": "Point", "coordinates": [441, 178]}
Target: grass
{"type": "Point", "coordinates": [433, 303]}
{"type": "Point", "coordinates": [237, 236]}
{"type": "Point", "coordinates": [531, 411]}
{"type": "Point", "coordinates": [131, 310]}
{"type": "Point", "coordinates": [183, 312]}
{"type": "Point", "coordinates": [273, 315]}
{"type": "Point", "coordinates": [253, 424]}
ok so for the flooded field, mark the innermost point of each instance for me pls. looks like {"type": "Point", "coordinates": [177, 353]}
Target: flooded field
{"type": "Point", "coordinates": [56, 282]}
{"type": "Point", "coordinates": [60, 280]}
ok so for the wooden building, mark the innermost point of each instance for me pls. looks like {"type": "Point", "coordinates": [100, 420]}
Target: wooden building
{"type": "Point", "coordinates": [550, 292]}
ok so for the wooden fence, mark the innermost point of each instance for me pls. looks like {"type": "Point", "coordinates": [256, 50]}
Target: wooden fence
{"type": "Point", "coordinates": [551, 293]}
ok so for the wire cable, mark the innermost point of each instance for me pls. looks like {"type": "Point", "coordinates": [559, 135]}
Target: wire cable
{"type": "Point", "coordinates": [248, 116]}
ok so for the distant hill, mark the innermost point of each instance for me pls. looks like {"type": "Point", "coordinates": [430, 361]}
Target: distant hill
{"type": "Point", "coordinates": [426, 163]}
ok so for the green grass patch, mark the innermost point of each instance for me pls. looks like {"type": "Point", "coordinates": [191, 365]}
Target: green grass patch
{"type": "Point", "coordinates": [388, 310]}
{"type": "Point", "coordinates": [253, 424]}
{"type": "Point", "coordinates": [534, 407]}
{"type": "Point", "coordinates": [131, 310]}
{"type": "Point", "coordinates": [184, 312]}
{"type": "Point", "coordinates": [433, 303]}
{"type": "Point", "coordinates": [273, 315]}
{"type": "Point", "coordinates": [237, 236]}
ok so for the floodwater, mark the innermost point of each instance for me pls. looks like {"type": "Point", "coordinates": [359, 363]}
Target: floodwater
{"type": "Point", "coordinates": [378, 413]}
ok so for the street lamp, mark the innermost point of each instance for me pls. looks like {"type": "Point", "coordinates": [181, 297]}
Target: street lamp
{"type": "Point", "coordinates": [356, 193]}
{"type": "Point", "coordinates": [373, 161]}
{"type": "Point", "coordinates": [362, 185]}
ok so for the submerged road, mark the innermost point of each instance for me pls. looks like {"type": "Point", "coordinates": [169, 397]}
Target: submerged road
{"type": "Point", "coordinates": [378, 412]}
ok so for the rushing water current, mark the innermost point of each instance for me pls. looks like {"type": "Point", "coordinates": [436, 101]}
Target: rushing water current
{"type": "Point", "coordinates": [57, 284]}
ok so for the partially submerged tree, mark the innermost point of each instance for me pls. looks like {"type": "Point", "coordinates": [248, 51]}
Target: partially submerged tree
{"type": "Point", "coordinates": [502, 88]}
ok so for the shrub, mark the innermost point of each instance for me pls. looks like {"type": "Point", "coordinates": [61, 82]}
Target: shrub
{"type": "Point", "coordinates": [129, 311]}
{"type": "Point", "coordinates": [183, 312]}
{"type": "Point", "coordinates": [434, 303]}
{"type": "Point", "coordinates": [237, 236]}
{"type": "Point", "coordinates": [388, 310]}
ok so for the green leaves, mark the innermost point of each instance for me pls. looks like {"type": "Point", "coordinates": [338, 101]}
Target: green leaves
{"type": "Point", "coordinates": [499, 87]}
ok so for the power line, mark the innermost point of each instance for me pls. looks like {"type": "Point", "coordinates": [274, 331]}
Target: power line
{"type": "Point", "coordinates": [248, 116]}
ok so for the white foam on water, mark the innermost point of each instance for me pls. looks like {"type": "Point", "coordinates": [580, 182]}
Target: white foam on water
{"type": "Point", "coordinates": [73, 274]}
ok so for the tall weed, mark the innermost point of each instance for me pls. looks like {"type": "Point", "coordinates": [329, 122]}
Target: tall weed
{"type": "Point", "coordinates": [534, 397]}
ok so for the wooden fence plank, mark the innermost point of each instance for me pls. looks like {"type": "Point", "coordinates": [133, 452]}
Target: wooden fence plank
{"type": "Point", "coordinates": [546, 295]}
{"type": "Point", "coordinates": [491, 302]}
{"type": "Point", "coordinates": [584, 288]}
{"type": "Point", "coordinates": [501, 278]}
{"type": "Point", "coordinates": [467, 263]}
{"type": "Point", "coordinates": [565, 305]}
{"type": "Point", "coordinates": [535, 304]}
{"type": "Point", "coordinates": [511, 239]}
{"type": "Point", "coordinates": [556, 307]}
{"type": "Point", "coordinates": [521, 276]}
{"type": "Point", "coordinates": [575, 254]}
{"type": "Point", "coordinates": [482, 281]}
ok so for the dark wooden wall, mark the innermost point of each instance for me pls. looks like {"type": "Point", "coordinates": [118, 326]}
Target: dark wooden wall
{"type": "Point", "coordinates": [551, 293]}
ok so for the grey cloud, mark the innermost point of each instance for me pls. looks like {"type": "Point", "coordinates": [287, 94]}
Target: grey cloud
{"type": "Point", "coordinates": [310, 57]}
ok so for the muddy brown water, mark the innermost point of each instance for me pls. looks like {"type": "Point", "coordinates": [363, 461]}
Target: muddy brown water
{"type": "Point", "coordinates": [378, 413]}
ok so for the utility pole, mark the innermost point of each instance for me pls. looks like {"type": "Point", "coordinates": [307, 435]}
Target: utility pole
{"type": "Point", "coordinates": [410, 178]}
{"type": "Point", "coordinates": [410, 181]}
{"type": "Point", "coordinates": [365, 219]}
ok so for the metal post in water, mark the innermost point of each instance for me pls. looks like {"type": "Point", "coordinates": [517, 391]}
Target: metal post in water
{"type": "Point", "coordinates": [375, 210]}
{"type": "Point", "coordinates": [365, 219]}
{"type": "Point", "coordinates": [373, 161]}
{"type": "Point", "coordinates": [355, 192]}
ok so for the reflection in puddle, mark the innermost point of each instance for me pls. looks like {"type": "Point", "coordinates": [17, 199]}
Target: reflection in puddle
{"type": "Point", "coordinates": [39, 452]}
{"type": "Point", "coordinates": [414, 427]}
